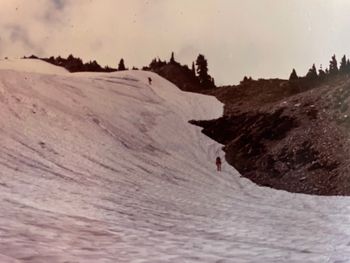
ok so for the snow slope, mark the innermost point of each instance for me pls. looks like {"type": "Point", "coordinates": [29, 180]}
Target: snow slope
{"type": "Point", "coordinates": [31, 65]}
{"type": "Point", "coordinates": [98, 167]}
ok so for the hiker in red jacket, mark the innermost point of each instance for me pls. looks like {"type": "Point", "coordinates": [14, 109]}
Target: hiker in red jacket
{"type": "Point", "coordinates": [218, 164]}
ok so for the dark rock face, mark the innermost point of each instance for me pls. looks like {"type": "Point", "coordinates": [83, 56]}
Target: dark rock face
{"type": "Point", "coordinates": [285, 135]}
{"type": "Point", "coordinates": [247, 138]}
{"type": "Point", "coordinates": [248, 131]}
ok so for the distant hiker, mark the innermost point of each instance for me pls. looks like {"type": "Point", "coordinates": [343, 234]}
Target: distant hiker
{"type": "Point", "coordinates": [218, 164]}
{"type": "Point", "coordinates": [149, 81]}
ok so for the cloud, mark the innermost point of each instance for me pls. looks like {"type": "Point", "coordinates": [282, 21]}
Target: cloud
{"type": "Point", "coordinates": [59, 4]}
{"type": "Point", "coordinates": [261, 38]}
{"type": "Point", "coordinates": [19, 34]}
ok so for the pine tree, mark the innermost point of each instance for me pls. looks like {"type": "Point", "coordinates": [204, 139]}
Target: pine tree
{"type": "Point", "coordinates": [193, 69]}
{"type": "Point", "coordinates": [347, 65]}
{"type": "Point", "coordinates": [333, 66]}
{"type": "Point", "coordinates": [312, 73]}
{"type": "Point", "coordinates": [121, 65]}
{"type": "Point", "coordinates": [70, 58]}
{"type": "Point", "coordinates": [244, 80]}
{"type": "Point", "coordinates": [172, 59]}
{"type": "Point", "coordinates": [321, 73]}
{"type": "Point", "coordinates": [202, 70]}
{"type": "Point", "coordinates": [293, 75]}
{"type": "Point", "coordinates": [342, 67]}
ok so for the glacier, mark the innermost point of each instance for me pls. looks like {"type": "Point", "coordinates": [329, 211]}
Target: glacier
{"type": "Point", "coordinates": [103, 167]}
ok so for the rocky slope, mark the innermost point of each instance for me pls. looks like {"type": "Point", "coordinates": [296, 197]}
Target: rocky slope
{"type": "Point", "coordinates": [287, 135]}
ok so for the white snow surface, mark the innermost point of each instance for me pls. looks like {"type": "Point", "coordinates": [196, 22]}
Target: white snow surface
{"type": "Point", "coordinates": [101, 167]}
{"type": "Point", "coordinates": [31, 65]}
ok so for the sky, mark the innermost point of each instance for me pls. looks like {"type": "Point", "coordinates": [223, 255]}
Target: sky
{"type": "Point", "coordinates": [257, 38]}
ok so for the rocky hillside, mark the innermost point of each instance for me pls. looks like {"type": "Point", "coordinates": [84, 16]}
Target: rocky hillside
{"type": "Point", "coordinates": [291, 135]}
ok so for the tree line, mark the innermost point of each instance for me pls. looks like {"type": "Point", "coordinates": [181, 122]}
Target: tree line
{"type": "Point", "coordinates": [198, 72]}
{"type": "Point", "coordinates": [76, 64]}
{"type": "Point", "coordinates": [321, 74]}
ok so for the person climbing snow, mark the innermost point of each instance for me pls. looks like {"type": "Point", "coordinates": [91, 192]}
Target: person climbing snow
{"type": "Point", "coordinates": [218, 163]}
{"type": "Point", "coordinates": [149, 80]}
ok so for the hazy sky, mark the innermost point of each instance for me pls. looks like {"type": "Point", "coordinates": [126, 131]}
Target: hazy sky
{"type": "Point", "coordinates": [258, 38]}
